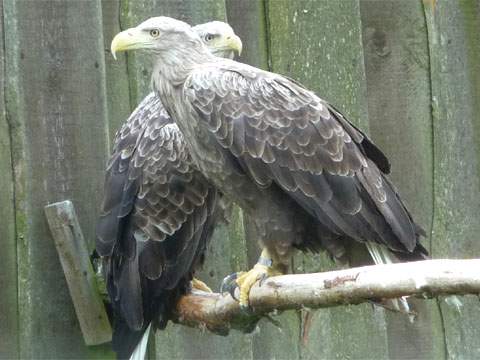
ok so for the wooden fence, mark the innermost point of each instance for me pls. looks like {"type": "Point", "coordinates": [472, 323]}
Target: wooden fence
{"type": "Point", "coordinates": [407, 71]}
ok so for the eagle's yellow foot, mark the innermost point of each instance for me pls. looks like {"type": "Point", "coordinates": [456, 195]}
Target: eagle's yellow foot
{"type": "Point", "coordinates": [245, 280]}
{"type": "Point", "coordinates": [200, 285]}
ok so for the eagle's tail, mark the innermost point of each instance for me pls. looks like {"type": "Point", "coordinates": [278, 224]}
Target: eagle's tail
{"type": "Point", "coordinates": [381, 255]}
{"type": "Point", "coordinates": [141, 348]}
{"type": "Point", "coordinates": [128, 343]}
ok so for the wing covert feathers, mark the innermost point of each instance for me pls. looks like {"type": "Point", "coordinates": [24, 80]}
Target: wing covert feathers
{"type": "Point", "coordinates": [284, 134]}
{"type": "Point", "coordinates": [155, 221]}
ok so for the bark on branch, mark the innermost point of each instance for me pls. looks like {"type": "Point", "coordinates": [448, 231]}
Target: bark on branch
{"type": "Point", "coordinates": [428, 278]}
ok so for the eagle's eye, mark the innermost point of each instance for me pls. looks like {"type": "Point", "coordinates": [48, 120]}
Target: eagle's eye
{"type": "Point", "coordinates": [154, 33]}
{"type": "Point", "coordinates": [209, 37]}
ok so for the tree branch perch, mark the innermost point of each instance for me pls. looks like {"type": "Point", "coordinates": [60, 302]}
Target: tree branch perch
{"type": "Point", "coordinates": [428, 278]}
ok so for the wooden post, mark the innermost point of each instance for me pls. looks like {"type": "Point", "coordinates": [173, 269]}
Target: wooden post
{"type": "Point", "coordinates": [8, 265]}
{"type": "Point", "coordinates": [455, 86]}
{"type": "Point", "coordinates": [319, 43]}
{"type": "Point", "coordinates": [75, 259]}
{"type": "Point", "coordinates": [400, 118]}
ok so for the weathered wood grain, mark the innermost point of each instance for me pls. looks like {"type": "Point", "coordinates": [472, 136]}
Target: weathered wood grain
{"type": "Point", "coordinates": [118, 95]}
{"type": "Point", "coordinates": [56, 104]}
{"type": "Point", "coordinates": [8, 265]}
{"type": "Point", "coordinates": [399, 99]}
{"type": "Point", "coordinates": [399, 104]}
{"type": "Point", "coordinates": [248, 20]}
{"type": "Point", "coordinates": [77, 267]}
{"type": "Point", "coordinates": [319, 43]}
{"type": "Point", "coordinates": [454, 42]}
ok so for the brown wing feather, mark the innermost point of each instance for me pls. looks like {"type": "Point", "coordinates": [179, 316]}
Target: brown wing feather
{"type": "Point", "coordinates": [155, 222]}
{"type": "Point", "coordinates": [285, 135]}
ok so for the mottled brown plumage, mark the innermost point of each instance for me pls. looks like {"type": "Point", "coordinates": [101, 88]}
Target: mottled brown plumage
{"type": "Point", "coordinates": [306, 176]}
{"type": "Point", "coordinates": [156, 218]}
{"type": "Point", "coordinates": [281, 142]}
{"type": "Point", "coordinates": [157, 214]}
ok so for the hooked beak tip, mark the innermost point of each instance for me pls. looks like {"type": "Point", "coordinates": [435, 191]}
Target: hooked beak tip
{"type": "Point", "coordinates": [240, 46]}
{"type": "Point", "coordinates": [235, 43]}
{"type": "Point", "coordinates": [124, 41]}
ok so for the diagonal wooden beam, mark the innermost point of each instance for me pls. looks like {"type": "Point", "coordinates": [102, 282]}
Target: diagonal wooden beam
{"type": "Point", "coordinates": [75, 258]}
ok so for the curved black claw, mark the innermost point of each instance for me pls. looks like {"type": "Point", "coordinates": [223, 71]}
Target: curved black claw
{"type": "Point", "coordinates": [246, 309]}
{"type": "Point", "coordinates": [262, 279]}
{"type": "Point", "coordinates": [229, 284]}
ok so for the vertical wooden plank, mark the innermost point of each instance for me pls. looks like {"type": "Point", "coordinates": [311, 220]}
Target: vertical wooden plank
{"type": "Point", "coordinates": [8, 265]}
{"type": "Point", "coordinates": [454, 42]}
{"type": "Point", "coordinates": [227, 251]}
{"type": "Point", "coordinates": [399, 104]}
{"type": "Point", "coordinates": [399, 99]}
{"type": "Point", "coordinates": [280, 340]}
{"type": "Point", "coordinates": [118, 96]}
{"type": "Point", "coordinates": [77, 267]}
{"type": "Point", "coordinates": [248, 20]}
{"type": "Point", "coordinates": [319, 43]}
{"type": "Point", "coordinates": [56, 106]}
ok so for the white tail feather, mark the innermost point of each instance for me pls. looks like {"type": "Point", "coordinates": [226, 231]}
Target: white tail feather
{"type": "Point", "coordinates": [455, 302]}
{"type": "Point", "coordinates": [381, 255]}
{"type": "Point", "coordinates": [141, 348]}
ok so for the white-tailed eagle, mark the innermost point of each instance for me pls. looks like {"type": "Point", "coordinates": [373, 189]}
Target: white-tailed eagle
{"type": "Point", "coordinates": [306, 176]}
{"type": "Point", "coordinates": [157, 213]}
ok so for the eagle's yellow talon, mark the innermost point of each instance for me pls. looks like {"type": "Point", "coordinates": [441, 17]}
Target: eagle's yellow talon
{"type": "Point", "coordinates": [200, 285]}
{"type": "Point", "coordinates": [246, 280]}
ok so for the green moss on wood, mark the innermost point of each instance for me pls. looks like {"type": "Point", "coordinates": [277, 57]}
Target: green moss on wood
{"type": "Point", "coordinates": [8, 265]}
{"type": "Point", "coordinates": [248, 19]}
{"type": "Point", "coordinates": [456, 157]}
{"type": "Point", "coordinates": [68, 112]}
{"type": "Point", "coordinates": [117, 85]}
{"type": "Point", "coordinates": [399, 103]}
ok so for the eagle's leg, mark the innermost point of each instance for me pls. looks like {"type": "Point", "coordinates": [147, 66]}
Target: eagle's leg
{"type": "Point", "coordinates": [264, 268]}
{"type": "Point", "coordinates": [200, 285]}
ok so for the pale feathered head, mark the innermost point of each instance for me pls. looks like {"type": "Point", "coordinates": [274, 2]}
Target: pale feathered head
{"type": "Point", "coordinates": [219, 38]}
{"type": "Point", "coordinates": [161, 33]}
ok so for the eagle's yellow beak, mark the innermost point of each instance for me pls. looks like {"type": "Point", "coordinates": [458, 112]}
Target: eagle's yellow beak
{"type": "Point", "coordinates": [134, 38]}
{"type": "Point", "coordinates": [233, 42]}
{"type": "Point", "coordinates": [129, 39]}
